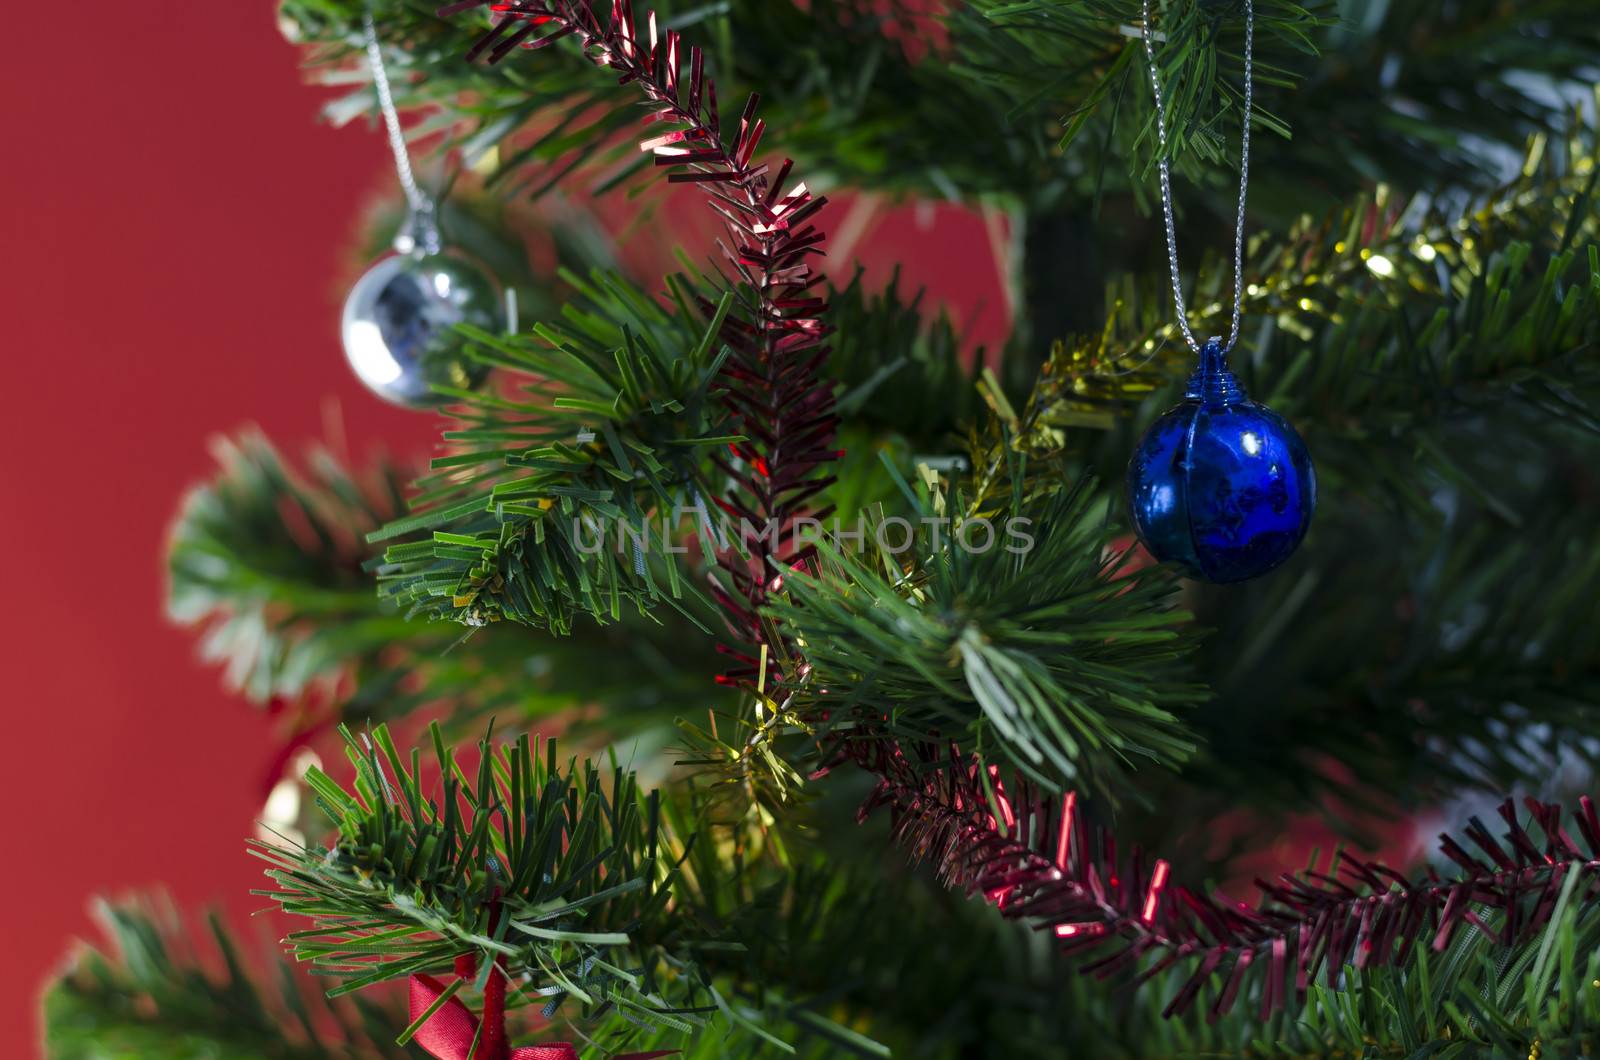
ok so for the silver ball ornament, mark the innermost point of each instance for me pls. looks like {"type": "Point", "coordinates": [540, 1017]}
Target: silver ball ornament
{"type": "Point", "coordinates": [399, 320]}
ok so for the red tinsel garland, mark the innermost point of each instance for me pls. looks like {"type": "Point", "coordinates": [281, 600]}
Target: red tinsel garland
{"type": "Point", "coordinates": [1039, 863]}
{"type": "Point", "coordinates": [772, 381]}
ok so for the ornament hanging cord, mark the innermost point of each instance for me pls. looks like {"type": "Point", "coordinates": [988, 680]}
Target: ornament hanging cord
{"type": "Point", "coordinates": [1166, 179]}
{"type": "Point", "coordinates": [421, 231]}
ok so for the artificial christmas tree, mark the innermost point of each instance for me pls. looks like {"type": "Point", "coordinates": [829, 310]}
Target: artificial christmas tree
{"type": "Point", "coordinates": [756, 533]}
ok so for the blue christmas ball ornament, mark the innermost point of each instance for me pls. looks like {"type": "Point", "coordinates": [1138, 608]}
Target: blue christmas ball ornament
{"type": "Point", "coordinates": [1220, 486]}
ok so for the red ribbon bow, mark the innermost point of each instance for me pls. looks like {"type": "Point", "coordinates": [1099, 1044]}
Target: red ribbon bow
{"type": "Point", "coordinates": [449, 1032]}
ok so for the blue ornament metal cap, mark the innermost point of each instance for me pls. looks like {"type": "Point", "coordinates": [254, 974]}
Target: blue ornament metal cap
{"type": "Point", "coordinates": [1219, 485]}
{"type": "Point", "coordinates": [1211, 382]}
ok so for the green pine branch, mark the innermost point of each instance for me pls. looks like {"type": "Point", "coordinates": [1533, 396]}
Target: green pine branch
{"type": "Point", "coordinates": [1014, 632]}
{"type": "Point", "coordinates": [612, 434]}
{"type": "Point", "coordinates": [1476, 1000]}
{"type": "Point", "coordinates": [840, 932]}
{"type": "Point", "coordinates": [1042, 865]}
{"type": "Point", "coordinates": [852, 102]}
{"type": "Point", "coordinates": [901, 368]}
{"type": "Point", "coordinates": [605, 431]}
{"type": "Point", "coordinates": [267, 562]}
{"type": "Point", "coordinates": [151, 993]}
{"type": "Point", "coordinates": [541, 870]}
{"type": "Point", "coordinates": [594, 896]}
{"type": "Point", "coordinates": [1369, 92]}
{"type": "Point", "coordinates": [1077, 60]}
{"type": "Point", "coordinates": [1381, 309]}
{"type": "Point", "coordinates": [1050, 97]}
{"type": "Point", "coordinates": [929, 973]}
{"type": "Point", "coordinates": [1385, 102]}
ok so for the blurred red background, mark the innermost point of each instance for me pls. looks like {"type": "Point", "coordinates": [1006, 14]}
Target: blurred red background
{"type": "Point", "coordinates": [177, 227]}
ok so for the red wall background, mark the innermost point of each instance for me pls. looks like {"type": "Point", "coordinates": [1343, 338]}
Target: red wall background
{"type": "Point", "coordinates": [176, 224]}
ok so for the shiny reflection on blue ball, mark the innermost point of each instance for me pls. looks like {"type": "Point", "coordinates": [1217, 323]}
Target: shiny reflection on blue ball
{"type": "Point", "coordinates": [1220, 486]}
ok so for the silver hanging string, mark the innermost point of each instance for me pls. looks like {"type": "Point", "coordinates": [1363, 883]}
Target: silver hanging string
{"type": "Point", "coordinates": [420, 233]}
{"type": "Point", "coordinates": [1166, 179]}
